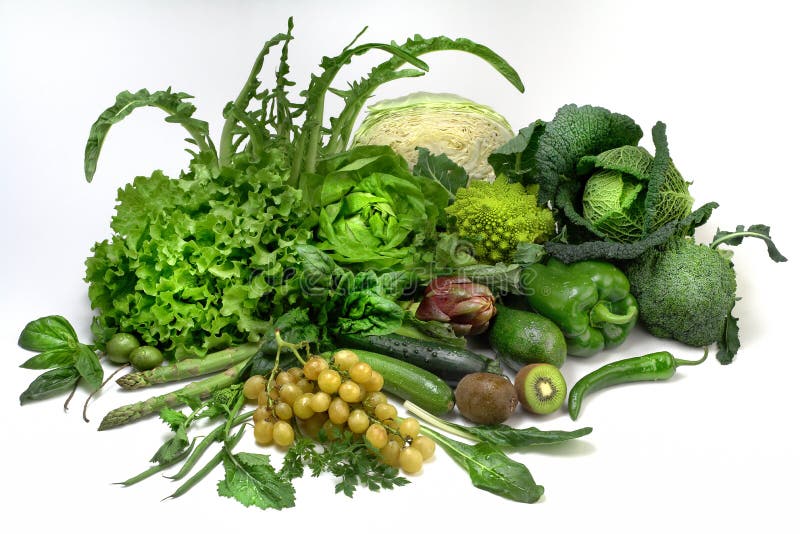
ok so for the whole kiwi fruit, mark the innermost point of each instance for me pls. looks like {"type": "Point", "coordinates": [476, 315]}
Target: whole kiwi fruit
{"type": "Point", "coordinates": [486, 398]}
{"type": "Point", "coordinates": [541, 388]}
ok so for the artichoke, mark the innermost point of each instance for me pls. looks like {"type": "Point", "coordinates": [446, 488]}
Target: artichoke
{"type": "Point", "coordinates": [466, 306]}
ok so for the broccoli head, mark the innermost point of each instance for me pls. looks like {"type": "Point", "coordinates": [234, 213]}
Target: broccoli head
{"type": "Point", "coordinates": [497, 216]}
{"type": "Point", "coordinates": [685, 291]}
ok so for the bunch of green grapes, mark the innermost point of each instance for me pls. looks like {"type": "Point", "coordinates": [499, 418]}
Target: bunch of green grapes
{"type": "Point", "coordinates": [336, 394]}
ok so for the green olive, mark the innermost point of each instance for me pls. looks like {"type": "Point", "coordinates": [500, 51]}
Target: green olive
{"type": "Point", "coordinates": [120, 346]}
{"type": "Point", "coordinates": [146, 357]}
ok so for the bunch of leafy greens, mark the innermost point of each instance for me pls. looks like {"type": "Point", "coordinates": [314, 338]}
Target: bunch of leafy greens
{"type": "Point", "coordinates": [644, 199]}
{"type": "Point", "coordinates": [206, 260]}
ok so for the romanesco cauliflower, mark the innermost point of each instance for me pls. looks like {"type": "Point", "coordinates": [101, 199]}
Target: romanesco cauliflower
{"type": "Point", "coordinates": [497, 216]}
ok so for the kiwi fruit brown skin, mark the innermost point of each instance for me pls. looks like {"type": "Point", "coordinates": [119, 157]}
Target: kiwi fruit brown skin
{"type": "Point", "coordinates": [541, 388]}
{"type": "Point", "coordinates": [486, 398]}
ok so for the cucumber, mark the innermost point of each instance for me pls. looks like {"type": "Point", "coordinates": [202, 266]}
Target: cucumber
{"type": "Point", "coordinates": [449, 363]}
{"type": "Point", "coordinates": [410, 382]}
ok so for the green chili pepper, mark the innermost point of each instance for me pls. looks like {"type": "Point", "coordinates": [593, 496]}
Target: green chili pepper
{"type": "Point", "coordinates": [589, 300]}
{"type": "Point", "coordinates": [655, 366]}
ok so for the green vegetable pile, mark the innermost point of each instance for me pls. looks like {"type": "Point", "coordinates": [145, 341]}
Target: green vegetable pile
{"type": "Point", "coordinates": [297, 276]}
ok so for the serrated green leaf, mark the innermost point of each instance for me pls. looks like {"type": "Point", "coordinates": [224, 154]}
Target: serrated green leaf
{"type": "Point", "coordinates": [174, 104]}
{"type": "Point", "coordinates": [172, 449]}
{"type": "Point", "coordinates": [251, 480]}
{"type": "Point", "coordinates": [174, 418]}
{"type": "Point", "coordinates": [48, 333]}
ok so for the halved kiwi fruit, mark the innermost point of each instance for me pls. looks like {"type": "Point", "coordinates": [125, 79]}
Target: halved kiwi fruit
{"type": "Point", "coordinates": [541, 388]}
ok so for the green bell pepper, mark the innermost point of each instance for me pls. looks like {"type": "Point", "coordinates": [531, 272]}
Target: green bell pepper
{"type": "Point", "coordinates": [589, 300]}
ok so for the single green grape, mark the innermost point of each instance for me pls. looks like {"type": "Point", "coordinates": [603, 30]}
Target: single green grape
{"type": "Point", "coordinates": [146, 357]}
{"type": "Point", "coordinates": [120, 346]}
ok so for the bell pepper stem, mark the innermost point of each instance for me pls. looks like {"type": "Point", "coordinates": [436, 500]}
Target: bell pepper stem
{"type": "Point", "coordinates": [601, 314]}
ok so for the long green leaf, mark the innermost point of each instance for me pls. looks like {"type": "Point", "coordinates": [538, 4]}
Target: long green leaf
{"type": "Point", "coordinates": [356, 97]}
{"type": "Point", "coordinates": [490, 469]}
{"type": "Point", "coordinates": [174, 104]}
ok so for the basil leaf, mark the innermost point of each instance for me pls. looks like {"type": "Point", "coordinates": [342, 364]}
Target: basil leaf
{"type": "Point", "coordinates": [491, 470]}
{"type": "Point", "coordinates": [47, 333]}
{"type": "Point", "coordinates": [88, 365]}
{"type": "Point", "coordinates": [49, 359]}
{"type": "Point", "coordinates": [49, 383]}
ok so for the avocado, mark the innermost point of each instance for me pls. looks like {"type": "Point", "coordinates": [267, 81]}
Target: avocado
{"type": "Point", "coordinates": [520, 337]}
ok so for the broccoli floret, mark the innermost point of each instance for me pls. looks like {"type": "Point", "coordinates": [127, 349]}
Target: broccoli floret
{"type": "Point", "coordinates": [685, 291]}
{"type": "Point", "coordinates": [497, 216]}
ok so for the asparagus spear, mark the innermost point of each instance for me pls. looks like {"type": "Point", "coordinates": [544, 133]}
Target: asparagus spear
{"type": "Point", "coordinates": [201, 388]}
{"type": "Point", "coordinates": [216, 361]}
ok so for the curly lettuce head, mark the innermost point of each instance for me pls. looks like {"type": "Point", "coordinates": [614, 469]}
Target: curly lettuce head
{"type": "Point", "coordinates": [198, 263]}
{"type": "Point", "coordinates": [375, 214]}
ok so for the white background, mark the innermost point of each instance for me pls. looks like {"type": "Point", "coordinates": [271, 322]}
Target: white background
{"type": "Point", "coordinates": [715, 447]}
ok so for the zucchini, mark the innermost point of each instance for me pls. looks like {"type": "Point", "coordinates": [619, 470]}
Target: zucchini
{"type": "Point", "coordinates": [449, 363]}
{"type": "Point", "coordinates": [409, 382]}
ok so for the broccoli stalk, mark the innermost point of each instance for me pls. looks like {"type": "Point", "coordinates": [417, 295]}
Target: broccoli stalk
{"type": "Point", "coordinates": [686, 290]}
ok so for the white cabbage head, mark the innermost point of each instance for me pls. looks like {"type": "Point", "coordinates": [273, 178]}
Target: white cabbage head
{"type": "Point", "coordinates": [444, 123]}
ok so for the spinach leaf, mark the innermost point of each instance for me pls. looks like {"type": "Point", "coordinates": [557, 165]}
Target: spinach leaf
{"type": "Point", "coordinates": [508, 437]}
{"type": "Point", "coordinates": [490, 469]}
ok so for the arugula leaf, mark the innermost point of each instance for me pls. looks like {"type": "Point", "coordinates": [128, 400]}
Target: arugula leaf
{"type": "Point", "coordinates": [491, 470]}
{"type": "Point", "coordinates": [50, 383]}
{"type": "Point", "coordinates": [442, 170]}
{"type": "Point", "coordinates": [88, 365]}
{"type": "Point", "coordinates": [736, 237]}
{"type": "Point", "coordinates": [251, 480]}
{"type": "Point", "coordinates": [48, 333]}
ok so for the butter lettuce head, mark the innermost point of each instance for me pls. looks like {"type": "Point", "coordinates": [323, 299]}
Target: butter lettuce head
{"type": "Point", "coordinates": [375, 214]}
